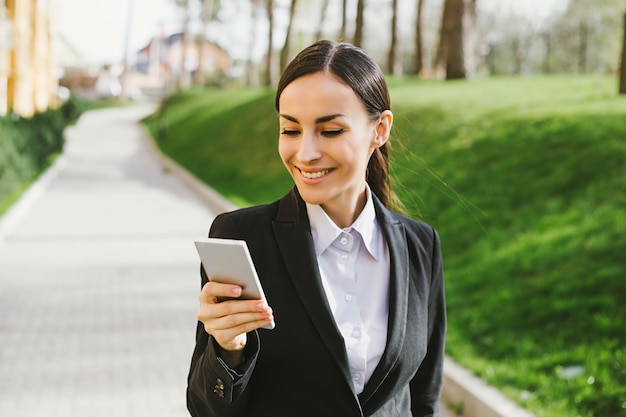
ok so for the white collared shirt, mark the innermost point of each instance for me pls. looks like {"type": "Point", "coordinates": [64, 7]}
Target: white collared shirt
{"type": "Point", "coordinates": [354, 266]}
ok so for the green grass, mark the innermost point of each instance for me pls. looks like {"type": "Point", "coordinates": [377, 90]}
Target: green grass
{"type": "Point", "coordinates": [525, 179]}
{"type": "Point", "coordinates": [228, 139]}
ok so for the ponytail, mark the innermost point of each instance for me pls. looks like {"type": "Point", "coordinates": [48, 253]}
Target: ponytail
{"type": "Point", "coordinates": [379, 180]}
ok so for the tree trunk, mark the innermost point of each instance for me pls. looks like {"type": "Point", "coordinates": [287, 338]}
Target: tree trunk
{"type": "Point", "coordinates": [201, 75]}
{"type": "Point", "coordinates": [344, 21]}
{"type": "Point", "coordinates": [358, 30]}
{"type": "Point", "coordinates": [583, 34]}
{"type": "Point", "coordinates": [453, 22]}
{"type": "Point", "coordinates": [269, 75]}
{"type": "Point", "coordinates": [320, 27]}
{"type": "Point", "coordinates": [456, 47]}
{"type": "Point", "coordinates": [252, 73]}
{"type": "Point", "coordinates": [519, 56]}
{"type": "Point", "coordinates": [184, 78]}
{"type": "Point", "coordinates": [622, 79]}
{"type": "Point", "coordinates": [393, 65]}
{"type": "Point", "coordinates": [547, 60]}
{"type": "Point", "coordinates": [444, 34]}
{"type": "Point", "coordinates": [418, 58]}
{"type": "Point", "coordinates": [284, 53]}
{"type": "Point", "coordinates": [469, 37]}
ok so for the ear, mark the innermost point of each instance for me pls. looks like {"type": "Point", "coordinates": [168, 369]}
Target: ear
{"type": "Point", "coordinates": [383, 128]}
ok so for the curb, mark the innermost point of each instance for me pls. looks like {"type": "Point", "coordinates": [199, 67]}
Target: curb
{"type": "Point", "coordinates": [462, 391]}
{"type": "Point", "coordinates": [211, 197]}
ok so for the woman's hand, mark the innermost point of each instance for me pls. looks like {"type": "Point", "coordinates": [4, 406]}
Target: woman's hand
{"type": "Point", "coordinates": [229, 321]}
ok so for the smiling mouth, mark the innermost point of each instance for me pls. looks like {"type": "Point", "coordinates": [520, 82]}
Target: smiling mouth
{"type": "Point", "coordinates": [311, 175]}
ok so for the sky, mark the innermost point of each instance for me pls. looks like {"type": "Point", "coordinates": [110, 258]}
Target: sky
{"type": "Point", "coordinates": [97, 28]}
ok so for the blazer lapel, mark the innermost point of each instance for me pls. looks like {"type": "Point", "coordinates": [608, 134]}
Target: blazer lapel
{"type": "Point", "coordinates": [395, 235]}
{"type": "Point", "coordinates": [293, 235]}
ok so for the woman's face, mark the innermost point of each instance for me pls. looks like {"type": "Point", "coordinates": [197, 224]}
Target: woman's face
{"type": "Point", "coordinates": [326, 140]}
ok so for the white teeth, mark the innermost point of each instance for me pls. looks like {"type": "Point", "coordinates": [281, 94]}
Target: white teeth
{"type": "Point", "coordinates": [313, 175]}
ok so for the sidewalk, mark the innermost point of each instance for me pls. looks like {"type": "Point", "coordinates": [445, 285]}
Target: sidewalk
{"type": "Point", "coordinates": [99, 280]}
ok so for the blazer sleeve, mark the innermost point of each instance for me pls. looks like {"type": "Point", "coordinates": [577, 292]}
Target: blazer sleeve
{"type": "Point", "coordinates": [427, 383]}
{"type": "Point", "coordinates": [214, 389]}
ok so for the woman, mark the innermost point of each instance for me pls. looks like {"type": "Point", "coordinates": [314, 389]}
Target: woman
{"type": "Point", "coordinates": [355, 288]}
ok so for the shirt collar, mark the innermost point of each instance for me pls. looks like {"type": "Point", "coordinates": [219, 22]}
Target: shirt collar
{"type": "Point", "coordinates": [325, 231]}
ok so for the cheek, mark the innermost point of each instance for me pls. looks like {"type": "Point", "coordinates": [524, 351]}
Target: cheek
{"type": "Point", "coordinates": [284, 150]}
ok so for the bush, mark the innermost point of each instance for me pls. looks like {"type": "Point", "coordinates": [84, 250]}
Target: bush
{"type": "Point", "coordinates": [29, 144]}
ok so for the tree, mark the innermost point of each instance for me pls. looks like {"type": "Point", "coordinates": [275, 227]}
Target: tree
{"type": "Point", "coordinates": [393, 65]}
{"type": "Point", "coordinates": [444, 33]}
{"type": "Point", "coordinates": [622, 79]}
{"type": "Point", "coordinates": [360, 17]}
{"type": "Point", "coordinates": [588, 36]}
{"type": "Point", "coordinates": [284, 53]}
{"type": "Point", "coordinates": [269, 75]}
{"type": "Point", "coordinates": [418, 58]}
{"type": "Point", "coordinates": [184, 78]}
{"type": "Point", "coordinates": [344, 20]}
{"type": "Point", "coordinates": [200, 75]}
{"type": "Point", "coordinates": [252, 73]}
{"type": "Point", "coordinates": [456, 42]}
{"type": "Point", "coordinates": [320, 27]}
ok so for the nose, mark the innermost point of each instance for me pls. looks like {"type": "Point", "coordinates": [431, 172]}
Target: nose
{"type": "Point", "coordinates": [309, 148]}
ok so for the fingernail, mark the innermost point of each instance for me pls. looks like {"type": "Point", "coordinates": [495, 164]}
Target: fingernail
{"type": "Point", "coordinates": [237, 291]}
{"type": "Point", "coordinates": [261, 305]}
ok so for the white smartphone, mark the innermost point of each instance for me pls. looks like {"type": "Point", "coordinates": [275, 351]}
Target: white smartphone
{"type": "Point", "coordinates": [230, 260]}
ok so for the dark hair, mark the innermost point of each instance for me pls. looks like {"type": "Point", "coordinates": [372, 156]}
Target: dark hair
{"type": "Point", "coordinates": [359, 71]}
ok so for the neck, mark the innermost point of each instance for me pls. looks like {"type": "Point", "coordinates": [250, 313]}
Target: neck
{"type": "Point", "coordinates": [344, 215]}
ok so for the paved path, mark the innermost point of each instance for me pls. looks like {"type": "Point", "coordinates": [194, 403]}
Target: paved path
{"type": "Point", "coordinates": [99, 281]}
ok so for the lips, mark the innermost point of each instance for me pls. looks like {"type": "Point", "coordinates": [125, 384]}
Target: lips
{"type": "Point", "coordinates": [312, 175]}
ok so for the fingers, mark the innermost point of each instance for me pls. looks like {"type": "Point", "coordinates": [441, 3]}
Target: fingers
{"type": "Point", "coordinates": [229, 321]}
{"type": "Point", "coordinates": [235, 314]}
{"type": "Point", "coordinates": [212, 290]}
{"type": "Point", "coordinates": [230, 330]}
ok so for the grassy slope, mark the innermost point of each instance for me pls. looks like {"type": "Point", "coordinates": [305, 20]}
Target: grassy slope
{"type": "Point", "coordinates": [525, 179]}
{"type": "Point", "coordinates": [228, 139]}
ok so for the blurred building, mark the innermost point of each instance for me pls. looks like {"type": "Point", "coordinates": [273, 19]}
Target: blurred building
{"type": "Point", "coordinates": [28, 79]}
{"type": "Point", "coordinates": [161, 60]}
{"type": "Point", "coordinates": [73, 73]}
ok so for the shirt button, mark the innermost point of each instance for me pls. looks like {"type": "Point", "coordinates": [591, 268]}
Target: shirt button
{"type": "Point", "coordinates": [344, 240]}
{"type": "Point", "coordinates": [348, 297]}
{"type": "Point", "coordinates": [356, 376]}
{"type": "Point", "coordinates": [344, 256]}
{"type": "Point", "coordinates": [356, 333]}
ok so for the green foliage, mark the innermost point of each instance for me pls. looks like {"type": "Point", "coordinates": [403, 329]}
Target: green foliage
{"type": "Point", "coordinates": [525, 179]}
{"type": "Point", "coordinates": [587, 36]}
{"type": "Point", "coordinates": [583, 37]}
{"type": "Point", "coordinates": [27, 146]}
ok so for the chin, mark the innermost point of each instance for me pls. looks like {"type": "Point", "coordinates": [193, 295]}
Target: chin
{"type": "Point", "coordinates": [312, 197]}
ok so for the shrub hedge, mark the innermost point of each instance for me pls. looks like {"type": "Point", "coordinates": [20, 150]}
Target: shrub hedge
{"type": "Point", "coordinates": [28, 145]}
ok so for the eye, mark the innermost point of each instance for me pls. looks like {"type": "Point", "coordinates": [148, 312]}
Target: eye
{"type": "Point", "coordinates": [332, 133]}
{"type": "Point", "coordinates": [289, 132]}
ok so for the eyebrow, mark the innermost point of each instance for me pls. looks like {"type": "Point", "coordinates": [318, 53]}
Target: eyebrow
{"type": "Point", "coordinates": [319, 120]}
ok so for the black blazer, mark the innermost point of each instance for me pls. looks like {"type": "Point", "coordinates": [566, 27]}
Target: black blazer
{"type": "Point", "coordinates": [300, 368]}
